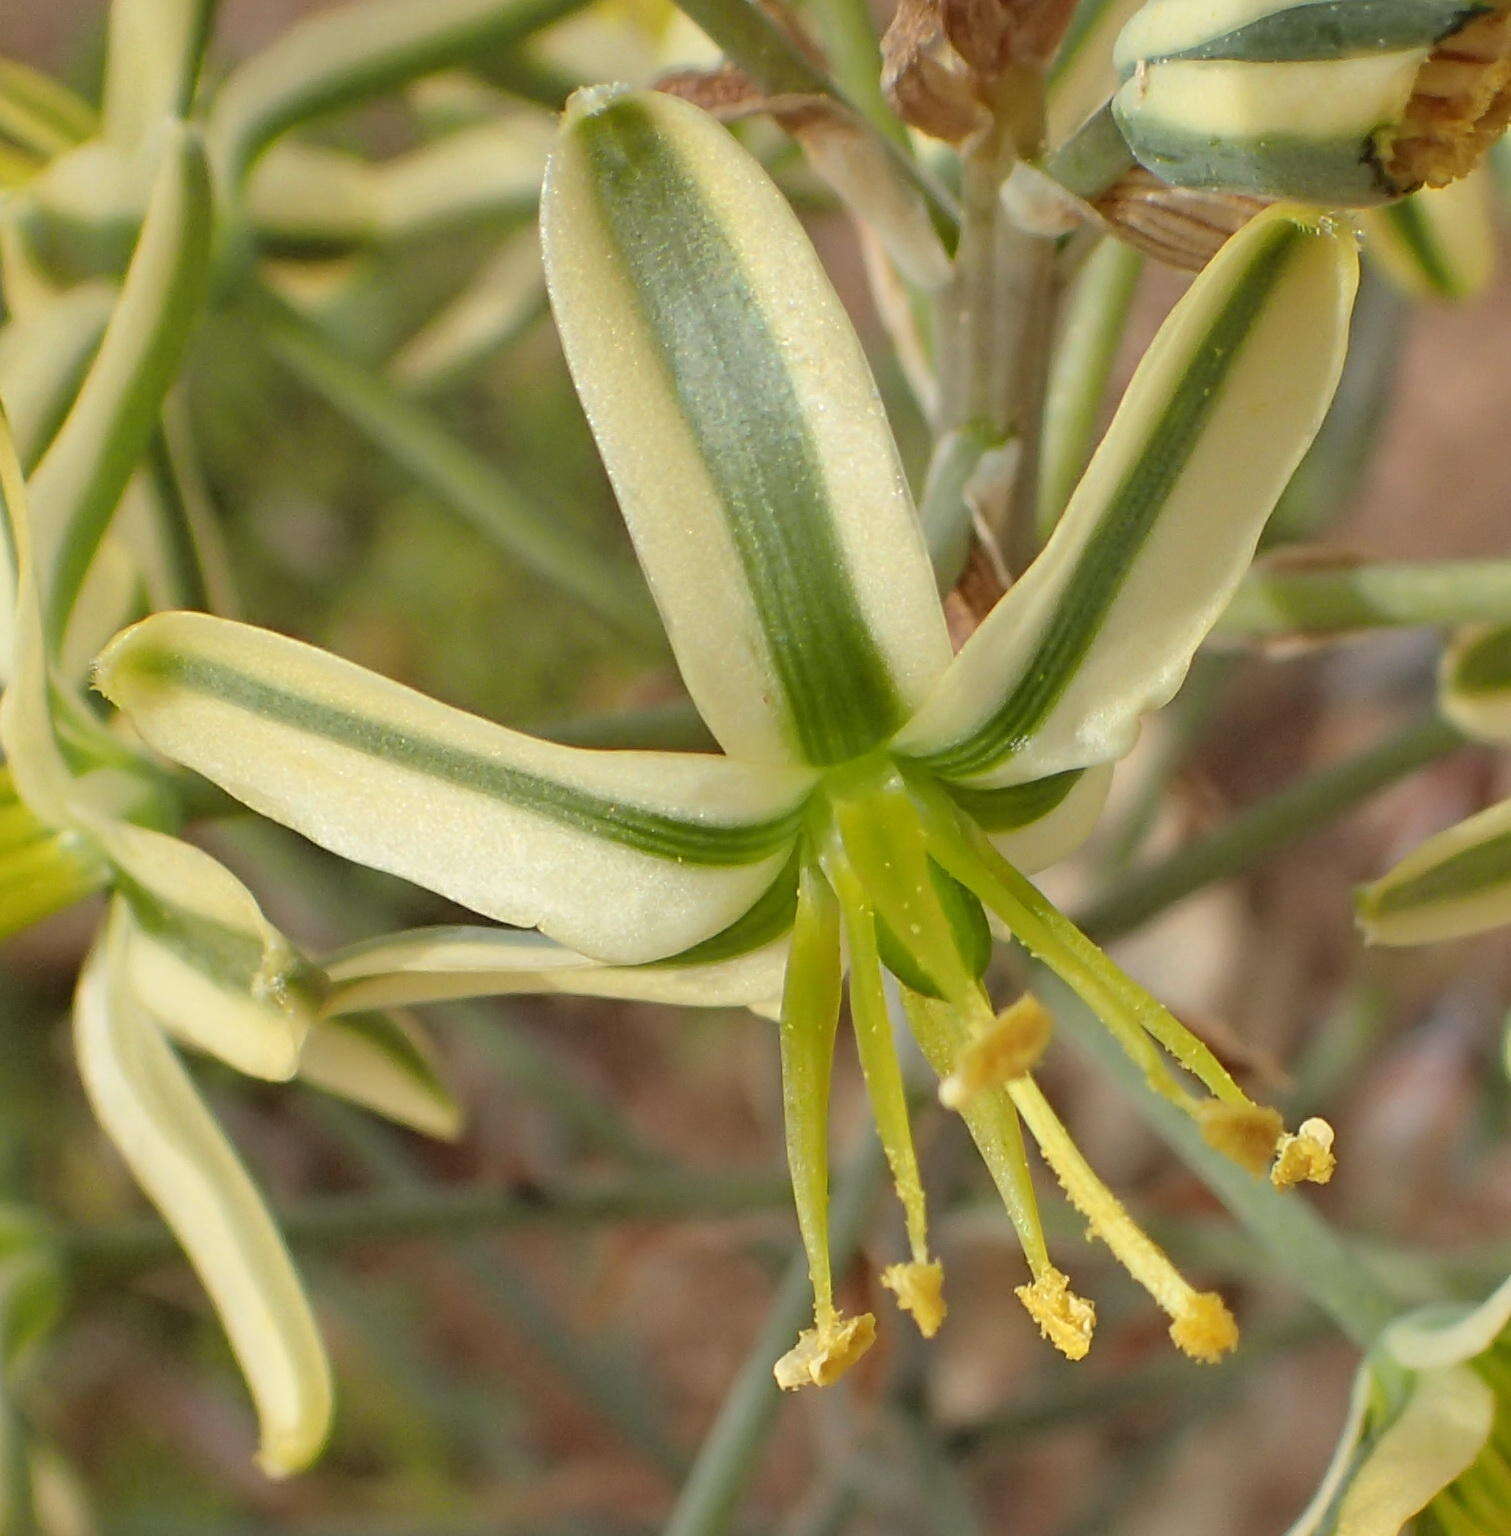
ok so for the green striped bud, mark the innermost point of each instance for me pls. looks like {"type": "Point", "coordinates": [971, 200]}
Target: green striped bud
{"type": "Point", "coordinates": [1340, 102]}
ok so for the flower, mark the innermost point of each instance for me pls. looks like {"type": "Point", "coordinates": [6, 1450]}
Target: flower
{"type": "Point", "coordinates": [1428, 1437]}
{"type": "Point", "coordinates": [1458, 882]}
{"type": "Point", "coordinates": [876, 799]}
{"type": "Point", "coordinates": [1345, 104]}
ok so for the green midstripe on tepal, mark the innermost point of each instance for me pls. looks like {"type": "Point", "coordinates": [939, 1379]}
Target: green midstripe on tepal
{"type": "Point", "coordinates": [1345, 103]}
{"type": "Point", "coordinates": [879, 798]}
{"type": "Point", "coordinates": [742, 431]}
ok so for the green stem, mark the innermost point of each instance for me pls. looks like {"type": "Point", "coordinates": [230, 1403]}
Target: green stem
{"type": "Point", "coordinates": [393, 1215]}
{"type": "Point", "coordinates": [1437, 592]}
{"type": "Point", "coordinates": [727, 1458]}
{"type": "Point", "coordinates": [457, 475]}
{"type": "Point", "coordinates": [1096, 317]}
{"type": "Point", "coordinates": [944, 511]}
{"type": "Point", "coordinates": [1298, 1241]}
{"type": "Point", "coordinates": [1300, 808]}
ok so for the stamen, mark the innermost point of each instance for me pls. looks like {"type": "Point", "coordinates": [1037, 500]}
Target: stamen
{"type": "Point", "coordinates": [1250, 1134]}
{"type": "Point", "coordinates": [1010, 1046]}
{"type": "Point", "coordinates": [916, 1285]}
{"type": "Point", "coordinates": [992, 1122]}
{"type": "Point", "coordinates": [919, 1289]}
{"type": "Point", "coordinates": [810, 1014]}
{"type": "Point", "coordinates": [1201, 1324]}
{"type": "Point", "coordinates": [1306, 1157]}
{"type": "Point", "coordinates": [1139, 1022]}
{"type": "Point", "coordinates": [825, 1352]}
{"type": "Point", "coordinates": [1064, 1318]}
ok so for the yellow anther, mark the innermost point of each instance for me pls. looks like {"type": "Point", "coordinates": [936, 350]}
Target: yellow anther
{"type": "Point", "coordinates": [1204, 1328]}
{"type": "Point", "coordinates": [1010, 1046]}
{"type": "Point", "coordinates": [919, 1289]}
{"type": "Point", "coordinates": [825, 1352]}
{"type": "Point", "coordinates": [1305, 1158]}
{"type": "Point", "coordinates": [1064, 1318]}
{"type": "Point", "coordinates": [1248, 1133]}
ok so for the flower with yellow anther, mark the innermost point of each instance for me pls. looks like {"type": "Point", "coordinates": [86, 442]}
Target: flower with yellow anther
{"type": "Point", "coordinates": [1428, 1438]}
{"type": "Point", "coordinates": [877, 796]}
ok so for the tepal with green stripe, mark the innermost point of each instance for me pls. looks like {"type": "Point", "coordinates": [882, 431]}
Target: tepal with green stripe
{"type": "Point", "coordinates": [1338, 102]}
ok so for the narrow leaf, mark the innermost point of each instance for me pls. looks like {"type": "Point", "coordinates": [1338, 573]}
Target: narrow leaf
{"type": "Point", "coordinates": [628, 856]}
{"type": "Point", "coordinates": [345, 53]}
{"type": "Point", "coordinates": [151, 1111]}
{"type": "Point", "coordinates": [742, 431]}
{"type": "Point", "coordinates": [1165, 520]}
{"type": "Point", "coordinates": [81, 478]}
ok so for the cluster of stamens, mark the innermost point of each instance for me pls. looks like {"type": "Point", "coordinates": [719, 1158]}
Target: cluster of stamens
{"type": "Point", "coordinates": [880, 852]}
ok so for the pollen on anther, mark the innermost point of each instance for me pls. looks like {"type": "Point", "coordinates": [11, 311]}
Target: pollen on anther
{"type": "Point", "coordinates": [825, 1352]}
{"type": "Point", "coordinates": [1247, 1133]}
{"type": "Point", "coordinates": [1205, 1329]}
{"type": "Point", "coordinates": [1006, 1049]}
{"type": "Point", "coordinates": [919, 1288]}
{"type": "Point", "coordinates": [1065, 1319]}
{"type": "Point", "coordinates": [1305, 1158]}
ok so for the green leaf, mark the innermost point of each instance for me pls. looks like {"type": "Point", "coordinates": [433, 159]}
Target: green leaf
{"type": "Point", "coordinates": [1455, 884]}
{"type": "Point", "coordinates": [742, 431]}
{"type": "Point", "coordinates": [430, 965]}
{"type": "Point", "coordinates": [151, 1111]}
{"type": "Point", "coordinates": [348, 52]}
{"type": "Point", "coordinates": [1439, 243]}
{"type": "Point", "coordinates": [384, 1062]}
{"type": "Point", "coordinates": [82, 476]}
{"type": "Point", "coordinates": [628, 856]}
{"type": "Point", "coordinates": [1165, 520]}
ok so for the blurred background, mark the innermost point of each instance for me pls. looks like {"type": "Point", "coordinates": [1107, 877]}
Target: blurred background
{"type": "Point", "coordinates": [534, 1329]}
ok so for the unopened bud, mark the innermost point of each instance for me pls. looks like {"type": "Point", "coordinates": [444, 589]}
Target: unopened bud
{"type": "Point", "coordinates": [1346, 104]}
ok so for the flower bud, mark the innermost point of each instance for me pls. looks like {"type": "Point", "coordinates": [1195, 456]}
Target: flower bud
{"type": "Point", "coordinates": [1350, 103]}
